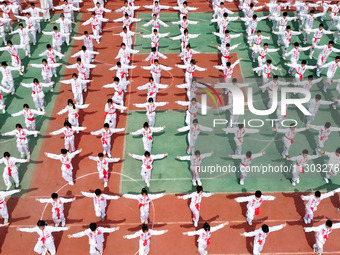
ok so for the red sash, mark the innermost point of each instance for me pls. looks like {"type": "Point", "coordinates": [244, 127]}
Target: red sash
{"type": "Point", "coordinates": [150, 138]}
{"type": "Point", "coordinates": [145, 242]}
{"type": "Point", "coordinates": [76, 115]}
{"type": "Point", "coordinates": [291, 140]}
{"type": "Point", "coordinates": [257, 211]}
{"type": "Point", "coordinates": [58, 212]}
{"type": "Point", "coordinates": [30, 119]}
{"type": "Point", "coordinates": [105, 173]}
{"type": "Point", "coordinates": [68, 166]}
{"type": "Point", "coordinates": [120, 93]}
{"type": "Point", "coordinates": [43, 240]}
{"type": "Point", "coordinates": [122, 75]}
{"type": "Point", "coordinates": [322, 138]}
{"type": "Point", "coordinates": [9, 171]}
{"type": "Point", "coordinates": [302, 168]}
{"type": "Point", "coordinates": [208, 241]}
{"type": "Point", "coordinates": [103, 141]}
{"type": "Point", "coordinates": [140, 206]}
{"type": "Point", "coordinates": [197, 206]}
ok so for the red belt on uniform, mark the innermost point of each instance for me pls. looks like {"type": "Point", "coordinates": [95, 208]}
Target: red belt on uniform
{"type": "Point", "coordinates": [268, 75]}
{"type": "Point", "coordinates": [9, 171]}
{"type": "Point", "coordinates": [258, 43]}
{"type": "Point", "coordinates": [17, 57]}
{"type": "Point", "coordinates": [141, 205]}
{"type": "Point", "coordinates": [52, 59]}
{"type": "Point", "coordinates": [150, 138]}
{"type": "Point", "coordinates": [244, 165]}
{"type": "Point", "coordinates": [316, 39]}
{"type": "Point", "coordinates": [120, 92]}
{"type": "Point", "coordinates": [290, 139]}
{"type": "Point", "coordinates": [302, 168]}
{"type": "Point", "coordinates": [262, 56]}
{"type": "Point", "coordinates": [145, 242]}
{"type": "Point", "coordinates": [156, 44]}
{"type": "Point", "coordinates": [225, 56]}
{"type": "Point", "coordinates": [322, 138]}
{"type": "Point", "coordinates": [257, 211]}
{"type": "Point", "coordinates": [68, 166]}
{"type": "Point", "coordinates": [105, 173]}
{"type": "Point", "coordinates": [103, 141]}
{"type": "Point", "coordinates": [30, 119]}
{"type": "Point", "coordinates": [301, 76]}
{"type": "Point", "coordinates": [57, 211]}
{"type": "Point", "coordinates": [148, 167]}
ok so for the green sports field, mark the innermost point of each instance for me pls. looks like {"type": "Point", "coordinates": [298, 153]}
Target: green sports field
{"type": "Point", "coordinates": [23, 95]}
{"type": "Point", "coordinates": [172, 175]}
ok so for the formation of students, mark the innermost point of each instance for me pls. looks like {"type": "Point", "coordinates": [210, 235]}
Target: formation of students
{"type": "Point", "coordinates": [305, 15]}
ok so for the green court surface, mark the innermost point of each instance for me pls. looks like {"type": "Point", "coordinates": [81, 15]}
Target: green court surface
{"type": "Point", "coordinates": [174, 176]}
{"type": "Point", "coordinates": [23, 95]}
{"type": "Point", "coordinates": [206, 42]}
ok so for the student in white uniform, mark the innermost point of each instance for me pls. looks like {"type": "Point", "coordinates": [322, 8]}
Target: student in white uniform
{"type": "Point", "coordinates": [103, 166]}
{"type": "Point", "coordinates": [45, 241]}
{"type": "Point", "coordinates": [313, 202]}
{"type": "Point", "coordinates": [106, 132]}
{"type": "Point", "coordinates": [96, 237]}
{"type": "Point", "coordinates": [195, 164]}
{"type": "Point", "coordinates": [333, 163]}
{"type": "Point", "coordinates": [7, 78]}
{"type": "Point", "coordinates": [300, 163]}
{"type": "Point", "coordinates": [51, 57]}
{"type": "Point", "coordinates": [57, 207]}
{"type": "Point", "coordinates": [46, 70]}
{"type": "Point", "coordinates": [145, 238]}
{"type": "Point", "coordinates": [66, 166]}
{"type": "Point", "coordinates": [3, 206]}
{"type": "Point", "coordinates": [11, 169]}
{"type": "Point", "coordinates": [313, 107]}
{"type": "Point", "coordinates": [147, 160]}
{"type": "Point", "coordinates": [254, 203]}
{"type": "Point", "coordinates": [204, 236]}
{"type": "Point", "coordinates": [195, 202]}
{"type": "Point", "coordinates": [73, 112]}
{"type": "Point", "coordinates": [147, 132]}
{"type": "Point", "coordinates": [324, 132]}
{"type": "Point", "coordinates": [144, 199]}
{"type": "Point", "coordinates": [322, 234]}
{"type": "Point", "coordinates": [288, 139]}
{"type": "Point", "coordinates": [22, 142]}
{"type": "Point", "coordinates": [260, 236]}
{"type": "Point", "coordinates": [99, 202]}
{"type": "Point", "coordinates": [151, 107]}
{"type": "Point", "coordinates": [78, 85]}
{"type": "Point", "coordinates": [29, 116]}
{"type": "Point", "coordinates": [68, 131]}
{"type": "Point", "coordinates": [110, 112]}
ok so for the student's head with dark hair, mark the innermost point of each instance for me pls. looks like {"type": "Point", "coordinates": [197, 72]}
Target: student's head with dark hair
{"type": "Point", "coordinates": [234, 80]}
{"type": "Point", "coordinates": [305, 152]}
{"type": "Point", "coordinates": [288, 27]}
{"type": "Point", "coordinates": [41, 224]}
{"type": "Point", "coordinates": [106, 126]}
{"type": "Point", "coordinates": [78, 59]}
{"type": "Point", "coordinates": [3, 63]}
{"type": "Point", "coordinates": [199, 189]}
{"type": "Point", "coordinates": [86, 32]}
{"type": "Point", "coordinates": [67, 124]}
{"type": "Point", "coordinates": [285, 14]}
{"type": "Point", "coordinates": [227, 31]}
{"type": "Point", "coordinates": [54, 196]}
{"type": "Point", "coordinates": [320, 25]}
{"type": "Point", "coordinates": [254, 16]}
{"type": "Point", "coordinates": [329, 223]}
{"type": "Point", "coordinates": [258, 193]}
{"type": "Point", "coordinates": [18, 126]}
{"type": "Point", "coordinates": [318, 97]}
{"type": "Point", "coordinates": [7, 154]}
{"type": "Point", "coordinates": [225, 15]}
{"type": "Point", "coordinates": [193, 100]}
{"type": "Point", "coordinates": [310, 77]}
{"type": "Point", "coordinates": [337, 59]}
{"type": "Point", "coordinates": [110, 101]}
{"type": "Point", "coordinates": [144, 192]}
{"type": "Point", "coordinates": [193, 61]}
{"type": "Point", "coordinates": [197, 153]}
{"type": "Point", "coordinates": [48, 46]}
{"type": "Point", "coordinates": [151, 79]}
{"type": "Point", "coordinates": [145, 125]}
{"type": "Point", "coordinates": [251, 5]}
{"type": "Point", "coordinates": [269, 61]}
{"type": "Point", "coordinates": [206, 227]}
{"type": "Point", "coordinates": [296, 44]}
{"type": "Point", "coordinates": [303, 62]}
{"type": "Point", "coordinates": [156, 61]}
{"type": "Point", "coordinates": [248, 154]}
{"type": "Point", "coordinates": [147, 154]}
{"type": "Point", "coordinates": [150, 100]}
{"type": "Point", "coordinates": [228, 64]}
{"type": "Point", "coordinates": [100, 155]}
{"type": "Point", "coordinates": [55, 28]}
{"type": "Point", "coordinates": [327, 124]}
{"type": "Point", "coordinates": [265, 228]}
{"type": "Point", "coordinates": [124, 29]}
{"type": "Point", "coordinates": [98, 192]}
{"type": "Point", "coordinates": [227, 45]}
{"type": "Point", "coordinates": [195, 122]}
{"type": "Point", "coordinates": [44, 61]}
{"type": "Point", "coordinates": [185, 31]}
{"type": "Point", "coordinates": [317, 193]}
{"type": "Point", "coordinates": [241, 125]}
{"type": "Point", "coordinates": [93, 226]}
{"type": "Point", "coordinates": [26, 106]}
{"type": "Point", "coordinates": [70, 102]}
{"type": "Point", "coordinates": [116, 79]}
{"type": "Point", "coordinates": [83, 48]}
{"type": "Point", "coordinates": [9, 42]}
{"type": "Point", "coordinates": [63, 151]}
{"type": "Point", "coordinates": [145, 228]}
{"type": "Point", "coordinates": [275, 77]}
{"type": "Point", "coordinates": [337, 150]}
{"type": "Point", "coordinates": [122, 44]}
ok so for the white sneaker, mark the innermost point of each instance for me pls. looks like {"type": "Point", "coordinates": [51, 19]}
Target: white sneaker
{"type": "Point", "coordinates": [293, 183]}
{"type": "Point", "coordinates": [334, 107]}
{"type": "Point", "coordinates": [298, 181]}
{"type": "Point", "coordinates": [109, 155]}
{"type": "Point", "coordinates": [250, 223]}
{"type": "Point", "coordinates": [85, 89]}
{"type": "Point", "coordinates": [193, 183]}
{"type": "Point", "coordinates": [199, 182]}
{"type": "Point", "coordinates": [326, 179]}
{"type": "Point", "coordinates": [5, 220]}
{"type": "Point", "coordinates": [17, 185]}
{"type": "Point", "coordinates": [55, 75]}
{"type": "Point", "coordinates": [22, 154]}
{"type": "Point", "coordinates": [148, 184]}
{"type": "Point", "coordinates": [63, 223]}
{"type": "Point", "coordinates": [105, 184]}
{"type": "Point", "coordinates": [304, 219]}
{"type": "Point", "coordinates": [29, 55]}
{"type": "Point", "coordinates": [56, 225]}
{"type": "Point", "coordinates": [8, 187]}
{"type": "Point", "coordinates": [195, 224]}
{"type": "Point", "coordinates": [146, 222]}
{"type": "Point", "coordinates": [241, 182]}
{"type": "Point", "coordinates": [71, 183]}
